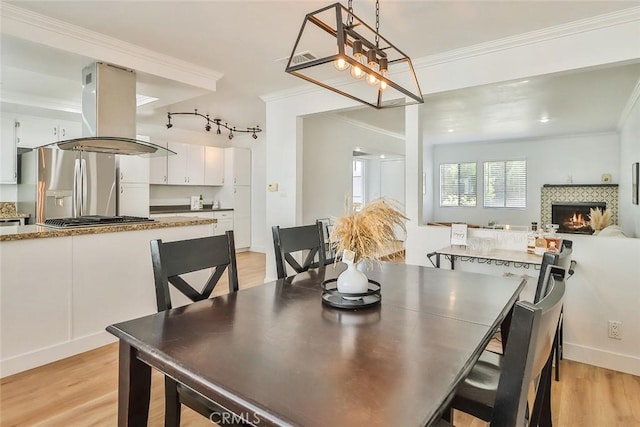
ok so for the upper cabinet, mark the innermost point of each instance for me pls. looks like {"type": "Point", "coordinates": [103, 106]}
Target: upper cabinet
{"type": "Point", "coordinates": [187, 166]}
{"type": "Point", "coordinates": [31, 132]}
{"type": "Point", "coordinates": [8, 171]}
{"type": "Point", "coordinates": [158, 167]}
{"type": "Point", "coordinates": [238, 161]}
{"type": "Point", "coordinates": [213, 166]}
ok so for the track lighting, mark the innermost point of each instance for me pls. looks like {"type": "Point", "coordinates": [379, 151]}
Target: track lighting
{"type": "Point", "coordinates": [218, 123]}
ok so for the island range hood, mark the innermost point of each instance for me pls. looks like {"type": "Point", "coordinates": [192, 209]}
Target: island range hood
{"type": "Point", "coordinates": [109, 114]}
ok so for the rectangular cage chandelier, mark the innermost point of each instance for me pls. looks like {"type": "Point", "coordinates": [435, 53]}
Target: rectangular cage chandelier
{"type": "Point", "coordinates": [338, 51]}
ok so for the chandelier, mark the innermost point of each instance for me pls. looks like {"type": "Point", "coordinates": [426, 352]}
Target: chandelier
{"type": "Point", "coordinates": [218, 123]}
{"type": "Point", "coordinates": [333, 42]}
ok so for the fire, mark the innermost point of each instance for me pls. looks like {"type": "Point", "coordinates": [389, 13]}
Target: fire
{"type": "Point", "coordinates": [577, 220]}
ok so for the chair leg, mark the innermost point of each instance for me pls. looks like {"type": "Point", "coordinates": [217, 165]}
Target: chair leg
{"type": "Point", "coordinates": [171, 403]}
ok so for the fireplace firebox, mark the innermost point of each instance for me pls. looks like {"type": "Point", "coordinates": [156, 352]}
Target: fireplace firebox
{"type": "Point", "coordinates": [573, 217]}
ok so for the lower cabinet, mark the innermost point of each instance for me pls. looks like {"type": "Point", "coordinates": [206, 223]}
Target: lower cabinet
{"type": "Point", "coordinates": [133, 200]}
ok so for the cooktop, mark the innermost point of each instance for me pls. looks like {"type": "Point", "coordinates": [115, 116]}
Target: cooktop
{"type": "Point", "coordinates": [93, 221]}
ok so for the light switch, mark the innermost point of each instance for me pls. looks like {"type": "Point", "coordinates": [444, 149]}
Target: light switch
{"type": "Point", "coordinates": [273, 187]}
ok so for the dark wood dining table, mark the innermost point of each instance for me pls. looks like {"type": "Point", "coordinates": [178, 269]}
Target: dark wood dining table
{"type": "Point", "coordinates": [276, 355]}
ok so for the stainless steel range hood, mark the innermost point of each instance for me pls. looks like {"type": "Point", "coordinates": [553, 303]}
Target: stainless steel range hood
{"type": "Point", "coordinates": [109, 114]}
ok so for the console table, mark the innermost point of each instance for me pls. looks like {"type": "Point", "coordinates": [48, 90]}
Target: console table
{"type": "Point", "coordinates": [498, 256]}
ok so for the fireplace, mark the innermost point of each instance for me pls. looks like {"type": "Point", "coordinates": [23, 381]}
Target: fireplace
{"type": "Point", "coordinates": [573, 217]}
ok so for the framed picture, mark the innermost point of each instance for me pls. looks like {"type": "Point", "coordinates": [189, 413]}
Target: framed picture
{"type": "Point", "coordinates": [635, 170]}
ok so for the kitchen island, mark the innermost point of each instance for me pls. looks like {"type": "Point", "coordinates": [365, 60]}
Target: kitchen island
{"type": "Point", "coordinates": [59, 288]}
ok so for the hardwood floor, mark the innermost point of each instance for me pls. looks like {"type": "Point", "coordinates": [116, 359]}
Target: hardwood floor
{"type": "Point", "coordinates": [82, 390]}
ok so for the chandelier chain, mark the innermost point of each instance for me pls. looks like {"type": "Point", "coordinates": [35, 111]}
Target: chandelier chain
{"type": "Point", "coordinates": [350, 18]}
{"type": "Point", "coordinates": [377, 23]}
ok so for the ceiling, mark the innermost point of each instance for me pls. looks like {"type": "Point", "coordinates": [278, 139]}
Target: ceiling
{"type": "Point", "coordinates": [247, 40]}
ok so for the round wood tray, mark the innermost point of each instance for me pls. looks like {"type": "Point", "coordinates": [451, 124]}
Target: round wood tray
{"type": "Point", "coordinates": [352, 301]}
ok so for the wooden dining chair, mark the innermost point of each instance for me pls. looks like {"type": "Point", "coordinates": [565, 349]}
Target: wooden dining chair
{"type": "Point", "coordinates": [288, 241]}
{"type": "Point", "coordinates": [171, 261]}
{"type": "Point", "coordinates": [497, 390]}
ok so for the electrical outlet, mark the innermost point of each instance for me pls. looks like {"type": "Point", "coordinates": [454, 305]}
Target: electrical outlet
{"type": "Point", "coordinates": [615, 329]}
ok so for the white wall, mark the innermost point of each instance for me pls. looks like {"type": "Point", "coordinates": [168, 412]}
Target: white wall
{"type": "Point", "coordinates": [549, 161]}
{"type": "Point", "coordinates": [327, 147]}
{"type": "Point", "coordinates": [8, 193]}
{"type": "Point", "coordinates": [629, 214]}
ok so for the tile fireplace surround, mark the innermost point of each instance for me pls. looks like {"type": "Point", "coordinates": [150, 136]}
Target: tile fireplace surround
{"type": "Point", "coordinates": [607, 193]}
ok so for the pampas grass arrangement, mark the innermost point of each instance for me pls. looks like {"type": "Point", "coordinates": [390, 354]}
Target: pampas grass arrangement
{"type": "Point", "coordinates": [599, 220]}
{"type": "Point", "coordinates": [368, 232]}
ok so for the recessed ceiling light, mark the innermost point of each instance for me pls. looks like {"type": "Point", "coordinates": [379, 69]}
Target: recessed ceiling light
{"type": "Point", "coordinates": [382, 156]}
{"type": "Point", "coordinates": [525, 81]}
{"type": "Point", "coordinates": [545, 120]}
{"type": "Point", "coordinates": [451, 130]}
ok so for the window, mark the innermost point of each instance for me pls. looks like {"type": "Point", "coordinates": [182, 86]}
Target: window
{"type": "Point", "coordinates": [458, 184]}
{"type": "Point", "coordinates": [505, 184]}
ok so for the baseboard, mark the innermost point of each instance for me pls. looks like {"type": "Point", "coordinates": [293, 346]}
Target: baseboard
{"type": "Point", "coordinates": [43, 356]}
{"type": "Point", "coordinates": [604, 359]}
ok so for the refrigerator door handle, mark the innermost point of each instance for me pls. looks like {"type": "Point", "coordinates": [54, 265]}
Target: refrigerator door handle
{"type": "Point", "coordinates": [76, 190]}
{"type": "Point", "coordinates": [83, 176]}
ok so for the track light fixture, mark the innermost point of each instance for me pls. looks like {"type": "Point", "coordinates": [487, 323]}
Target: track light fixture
{"type": "Point", "coordinates": [218, 122]}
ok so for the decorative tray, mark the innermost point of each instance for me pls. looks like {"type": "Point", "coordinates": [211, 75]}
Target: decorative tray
{"type": "Point", "coordinates": [332, 297]}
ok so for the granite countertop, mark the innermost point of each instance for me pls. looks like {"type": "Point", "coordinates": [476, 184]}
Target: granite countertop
{"type": "Point", "coordinates": [26, 232]}
{"type": "Point", "coordinates": [183, 208]}
{"type": "Point", "coordinates": [8, 211]}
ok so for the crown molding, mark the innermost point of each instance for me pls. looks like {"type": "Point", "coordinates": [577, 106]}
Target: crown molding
{"type": "Point", "coordinates": [576, 27]}
{"type": "Point", "coordinates": [511, 42]}
{"type": "Point", "coordinates": [51, 32]}
{"type": "Point", "coordinates": [631, 102]}
{"type": "Point", "coordinates": [358, 123]}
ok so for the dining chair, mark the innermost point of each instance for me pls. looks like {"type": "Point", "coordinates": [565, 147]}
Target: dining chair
{"type": "Point", "coordinates": [292, 240]}
{"type": "Point", "coordinates": [327, 225]}
{"type": "Point", "coordinates": [497, 390]}
{"type": "Point", "coordinates": [566, 262]}
{"type": "Point", "coordinates": [171, 261]}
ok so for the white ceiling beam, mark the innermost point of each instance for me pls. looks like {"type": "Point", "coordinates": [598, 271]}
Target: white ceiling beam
{"type": "Point", "coordinates": [57, 34]}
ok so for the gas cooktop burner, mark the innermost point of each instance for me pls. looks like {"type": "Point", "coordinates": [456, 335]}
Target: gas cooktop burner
{"type": "Point", "coordinates": [93, 221]}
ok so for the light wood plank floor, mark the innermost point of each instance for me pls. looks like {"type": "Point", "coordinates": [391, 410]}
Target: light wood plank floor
{"type": "Point", "coordinates": [82, 390]}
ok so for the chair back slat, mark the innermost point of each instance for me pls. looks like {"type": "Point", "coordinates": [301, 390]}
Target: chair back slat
{"type": "Point", "coordinates": [171, 260]}
{"type": "Point", "coordinates": [528, 354]}
{"type": "Point", "coordinates": [287, 241]}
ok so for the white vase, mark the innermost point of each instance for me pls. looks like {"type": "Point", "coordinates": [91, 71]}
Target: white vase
{"type": "Point", "coordinates": [352, 280]}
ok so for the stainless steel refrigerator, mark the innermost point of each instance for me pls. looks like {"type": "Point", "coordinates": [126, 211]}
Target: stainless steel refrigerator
{"type": "Point", "coordinates": [59, 183]}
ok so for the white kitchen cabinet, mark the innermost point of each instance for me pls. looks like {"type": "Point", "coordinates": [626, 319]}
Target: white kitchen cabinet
{"type": "Point", "coordinates": [8, 159]}
{"type": "Point", "coordinates": [242, 216]}
{"type": "Point", "coordinates": [224, 222]}
{"type": "Point", "coordinates": [238, 166]}
{"type": "Point", "coordinates": [133, 199]}
{"type": "Point", "coordinates": [214, 160]}
{"type": "Point", "coordinates": [34, 132]}
{"type": "Point", "coordinates": [158, 166]}
{"type": "Point", "coordinates": [187, 166]}
{"type": "Point", "coordinates": [134, 169]}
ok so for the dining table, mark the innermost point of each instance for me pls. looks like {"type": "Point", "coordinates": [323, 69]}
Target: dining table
{"type": "Point", "coordinates": [275, 355]}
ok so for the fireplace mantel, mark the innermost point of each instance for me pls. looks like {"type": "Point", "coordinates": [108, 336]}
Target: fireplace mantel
{"type": "Point", "coordinates": [580, 185]}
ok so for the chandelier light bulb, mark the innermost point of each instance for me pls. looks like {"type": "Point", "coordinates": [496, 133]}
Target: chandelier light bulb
{"type": "Point", "coordinates": [356, 72]}
{"type": "Point", "coordinates": [372, 79]}
{"type": "Point", "coordinates": [340, 64]}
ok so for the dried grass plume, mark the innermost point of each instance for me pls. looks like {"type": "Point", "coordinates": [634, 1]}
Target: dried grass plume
{"type": "Point", "coordinates": [599, 220]}
{"type": "Point", "coordinates": [368, 232]}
